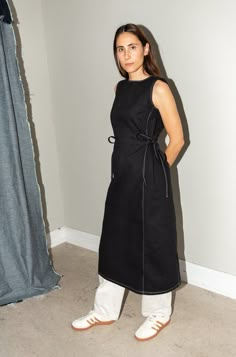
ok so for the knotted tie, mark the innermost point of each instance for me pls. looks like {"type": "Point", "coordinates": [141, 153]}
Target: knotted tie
{"type": "Point", "coordinates": [149, 141]}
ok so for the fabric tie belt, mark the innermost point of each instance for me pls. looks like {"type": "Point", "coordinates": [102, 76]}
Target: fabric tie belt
{"type": "Point", "coordinates": [149, 141]}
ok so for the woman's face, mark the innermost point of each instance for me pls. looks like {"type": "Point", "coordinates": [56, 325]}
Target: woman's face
{"type": "Point", "coordinates": [130, 52]}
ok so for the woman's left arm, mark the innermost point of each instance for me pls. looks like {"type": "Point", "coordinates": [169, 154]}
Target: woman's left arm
{"type": "Point", "coordinates": [164, 101]}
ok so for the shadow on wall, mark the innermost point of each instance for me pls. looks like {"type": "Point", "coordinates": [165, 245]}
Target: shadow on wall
{"type": "Point", "coordinates": [29, 112]}
{"type": "Point", "coordinates": [174, 171]}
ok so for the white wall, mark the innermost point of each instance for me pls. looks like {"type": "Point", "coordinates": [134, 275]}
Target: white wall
{"type": "Point", "coordinates": [197, 46]}
{"type": "Point", "coordinates": [82, 79]}
{"type": "Point", "coordinates": [31, 44]}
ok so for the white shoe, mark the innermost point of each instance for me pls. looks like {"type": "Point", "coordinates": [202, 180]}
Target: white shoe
{"type": "Point", "coordinates": [150, 328]}
{"type": "Point", "coordinates": [88, 321]}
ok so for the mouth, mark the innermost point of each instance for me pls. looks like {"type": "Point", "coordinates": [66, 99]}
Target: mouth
{"type": "Point", "coordinates": [128, 64]}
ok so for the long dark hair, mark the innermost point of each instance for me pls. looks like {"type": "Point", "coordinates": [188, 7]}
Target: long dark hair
{"type": "Point", "coordinates": [149, 64]}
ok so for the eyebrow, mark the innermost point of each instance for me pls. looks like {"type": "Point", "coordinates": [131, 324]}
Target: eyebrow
{"type": "Point", "coordinates": [130, 44]}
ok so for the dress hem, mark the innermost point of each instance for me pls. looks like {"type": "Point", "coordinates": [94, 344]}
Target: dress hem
{"type": "Point", "coordinates": [139, 291]}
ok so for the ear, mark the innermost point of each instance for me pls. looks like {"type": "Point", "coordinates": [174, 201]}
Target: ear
{"type": "Point", "coordinates": [146, 49]}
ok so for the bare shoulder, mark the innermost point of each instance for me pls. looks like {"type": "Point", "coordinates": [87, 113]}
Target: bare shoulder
{"type": "Point", "coordinates": [160, 87]}
{"type": "Point", "coordinates": [161, 93]}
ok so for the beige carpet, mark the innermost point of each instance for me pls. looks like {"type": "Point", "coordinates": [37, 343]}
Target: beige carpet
{"type": "Point", "coordinates": [203, 324]}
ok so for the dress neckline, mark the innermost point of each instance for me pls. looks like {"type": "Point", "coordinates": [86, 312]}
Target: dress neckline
{"type": "Point", "coordinates": [138, 80]}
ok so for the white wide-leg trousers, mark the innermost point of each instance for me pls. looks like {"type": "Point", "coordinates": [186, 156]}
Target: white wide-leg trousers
{"type": "Point", "coordinates": [109, 297]}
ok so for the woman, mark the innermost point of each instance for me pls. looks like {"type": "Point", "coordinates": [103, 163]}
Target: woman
{"type": "Point", "coordinates": [138, 242]}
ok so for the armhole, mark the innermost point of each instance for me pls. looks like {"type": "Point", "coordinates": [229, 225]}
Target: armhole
{"type": "Point", "coordinates": [116, 86]}
{"type": "Point", "coordinates": [151, 89]}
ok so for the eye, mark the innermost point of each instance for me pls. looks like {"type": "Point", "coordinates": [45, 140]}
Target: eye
{"type": "Point", "coordinates": [133, 47]}
{"type": "Point", "coordinates": [120, 49]}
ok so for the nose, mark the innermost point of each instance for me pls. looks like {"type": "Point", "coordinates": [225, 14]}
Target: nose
{"type": "Point", "coordinates": [127, 54]}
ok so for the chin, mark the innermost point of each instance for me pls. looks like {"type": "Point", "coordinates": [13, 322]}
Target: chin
{"type": "Point", "coordinates": [130, 70]}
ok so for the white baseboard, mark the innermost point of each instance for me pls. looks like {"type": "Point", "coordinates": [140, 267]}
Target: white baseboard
{"type": "Point", "coordinates": [209, 279]}
{"type": "Point", "coordinates": [56, 237]}
{"type": "Point", "coordinates": [82, 239]}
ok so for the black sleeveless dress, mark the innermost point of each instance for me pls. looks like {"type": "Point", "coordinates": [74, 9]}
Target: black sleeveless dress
{"type": "Point", "coordinates": [138, 247]}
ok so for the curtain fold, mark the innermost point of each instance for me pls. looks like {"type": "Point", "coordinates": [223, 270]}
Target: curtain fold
{"type": "Point", "coordinates": [25, 267]}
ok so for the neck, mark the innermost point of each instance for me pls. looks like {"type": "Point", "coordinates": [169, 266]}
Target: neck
{"type": "Point", "coordinates": [138, 75]}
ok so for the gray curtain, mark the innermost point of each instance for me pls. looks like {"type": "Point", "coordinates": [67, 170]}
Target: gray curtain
{"type": "Point", "coordinates": [25, 266]}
